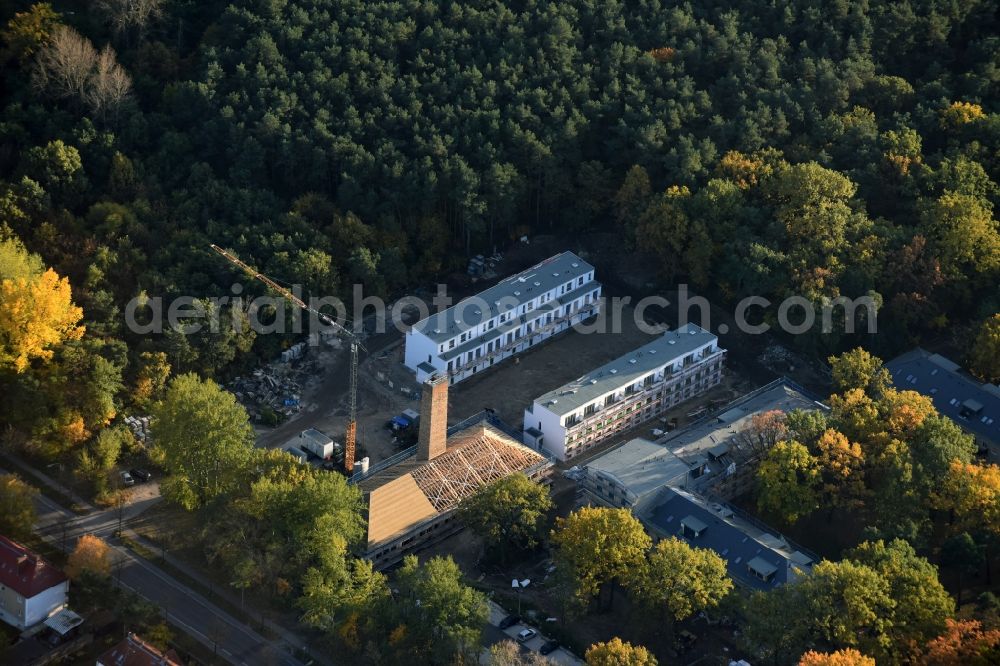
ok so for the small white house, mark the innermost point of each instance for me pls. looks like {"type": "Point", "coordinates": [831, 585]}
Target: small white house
{"type": "Point", "coordinates": [31, 589]}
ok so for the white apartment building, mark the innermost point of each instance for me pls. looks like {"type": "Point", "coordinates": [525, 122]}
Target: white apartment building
{"type": "Point", "coordinates": [504, 320]}
{"type": "Point", "coordinates": [625, 392]}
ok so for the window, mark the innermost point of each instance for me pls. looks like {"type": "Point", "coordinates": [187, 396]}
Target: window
{"type": "Point", "coordinates": [451, 344]}
{"type": "Point", "coordinates": [590, 409]}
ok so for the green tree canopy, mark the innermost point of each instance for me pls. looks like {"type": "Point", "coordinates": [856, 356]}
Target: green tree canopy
{"type": "Point", "coordinates": [597, 546]}
{"type": "Point", "coordinates": [203, 438]}
{"type": "Point", "coordinates": [508, 513]}
{"type": "Point", "coordinates": [17, 507]}
{"type": "Point", "coordinates": [678, 580]}
{"type": "Point", "coordinates": [787, 481]}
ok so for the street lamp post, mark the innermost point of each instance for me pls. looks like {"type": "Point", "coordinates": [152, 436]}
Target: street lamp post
{"type": "Point", "coordinates": [519, 585]}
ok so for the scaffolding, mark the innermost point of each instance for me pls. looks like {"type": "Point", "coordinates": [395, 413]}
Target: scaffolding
{"type": "Point", "coordinates": [473, 460]}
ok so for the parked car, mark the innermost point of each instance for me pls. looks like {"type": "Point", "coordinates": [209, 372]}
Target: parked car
{"type": "Point", "coordinates": [127, 479]}
{"type": "Point", "coordinates": [526, 635]}
{"type": "Point", "coordinates": [509, 621]}
{"type": "Point", "coordinates": [549, 647]}
{"type": "Point", "coordinates": [140, 475]}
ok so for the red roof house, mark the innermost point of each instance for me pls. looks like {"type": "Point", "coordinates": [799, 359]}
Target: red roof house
{"type": "Point", "coordinates": [31, 589]}
{"type": "Point", "coordinates": [133, 651]}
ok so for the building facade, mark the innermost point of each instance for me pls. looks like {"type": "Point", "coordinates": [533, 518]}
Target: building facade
{"type": "Point", "coordinates": [625, 392]}
{"type": "Point", "coordinates": [31, 589]}
{"type": "Point", "coordinates": [515, 314]}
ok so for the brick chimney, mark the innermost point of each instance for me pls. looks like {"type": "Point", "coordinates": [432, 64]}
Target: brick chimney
{"type": "Point", "coordinates": [433, 440]}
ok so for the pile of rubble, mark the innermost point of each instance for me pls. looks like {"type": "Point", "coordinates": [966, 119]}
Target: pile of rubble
{"type": "Point", "coordinates": [139, 425]}
{"type": "Point", "coordinates": [484, 267]}
{"type": "Point", "coordinates": [277, 387]}
{"type": "Point", "coordinates": [778, 359]}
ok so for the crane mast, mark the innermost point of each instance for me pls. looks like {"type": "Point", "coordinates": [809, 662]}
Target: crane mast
{"type": "Point", "coordinates": [351, 431]}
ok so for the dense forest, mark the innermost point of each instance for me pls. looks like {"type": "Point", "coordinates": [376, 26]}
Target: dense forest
{"type": "Point", "coordinates": [816, 148]}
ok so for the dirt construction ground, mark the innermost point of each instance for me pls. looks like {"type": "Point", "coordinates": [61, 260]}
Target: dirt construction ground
{"type": "Point", "coordinates": [387, 387]}
{"type": "Point", "coordinates": [508, 388]}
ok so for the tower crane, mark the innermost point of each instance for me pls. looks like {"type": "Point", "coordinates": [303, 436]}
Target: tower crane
{"type": "Point", "coordinates": [351, 431]}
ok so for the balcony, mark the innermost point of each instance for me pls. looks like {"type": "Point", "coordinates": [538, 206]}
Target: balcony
{"type": "Point", "coordinates": [626, 403]}
{"type": "Point", "coordinates": [588, 309]}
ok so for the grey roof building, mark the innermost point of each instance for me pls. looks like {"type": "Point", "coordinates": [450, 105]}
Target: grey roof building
{"type": "Point", "coordinates": [626, 369]}
{"type": "Point", "coordinates": [618, 395]}
{"type": "Point", "coordinates": [756, 556]}
{"type": "Point", "coordinates": [975, 407]}
{"type": "Point", "coordinates": [504, 320]}
{"type": "Point", "coordinates": [636, 471]}
{"type": "Point", "coordinates": [506, 295]}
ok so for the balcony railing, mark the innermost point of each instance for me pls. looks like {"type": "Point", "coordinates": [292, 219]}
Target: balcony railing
{"type": "Point", "coordinates": [590, 308]}
{"type": "Point", "coordinates": [610, 412]}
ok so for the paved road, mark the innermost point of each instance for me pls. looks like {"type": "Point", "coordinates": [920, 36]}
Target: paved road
{"type": "Point", "coordinates": [185, 608]}
{"type": "Point", "coordinates": [494, 634]}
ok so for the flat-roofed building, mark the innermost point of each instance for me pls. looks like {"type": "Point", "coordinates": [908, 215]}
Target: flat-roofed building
{"type": "Point", "coordinates": [412, 497]}
{"type": "Point", "coordinates": [705, 456]}
{"type": "Point", "coordinates": [973, 406]}
{"type": "Point", "coordinates": [633, 473]}
{"type": "Point", "coordinates": [504, 320]}
{"type": "Point", "coordinates": [635, 387]}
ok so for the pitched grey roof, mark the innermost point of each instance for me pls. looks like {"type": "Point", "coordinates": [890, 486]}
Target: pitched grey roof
{"type": "Point", "coordinates": [511, 292]}
{"type": "Point", "coordinates": [626, 369]}
{"type": "Point", "coordinates": [739, 542]}
{"type": "Point", "coordinates": [973, 406]}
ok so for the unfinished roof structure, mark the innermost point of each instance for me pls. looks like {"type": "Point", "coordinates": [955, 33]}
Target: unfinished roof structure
{"type": "Point", "coordinates": [411, 492]}
{"type": "Point", "coordinates": [411, 497]}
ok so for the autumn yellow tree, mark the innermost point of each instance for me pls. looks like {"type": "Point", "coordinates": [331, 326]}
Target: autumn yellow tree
{"type": "Point", "coordinates": [37, 312]}
{"type": "Point", "coordinates": [677, 580]}
{"type": "Point", "coordinates": [971, 493]}
{"type": "Point", "coordinates": [961, 113]}
{"type": "Point", "coordinates": [846, 657]}
{"type": "Point", "coordinates": [841, 469]}
{"type": "Point", "coordinates": [964, 643]}
{"type": "Point", "coordinates": [91, 555]}
{"type": "Point", "coordinates": [29, 30]}
{"type": "Point", "coordinates": [597, 546]}
{"type": "Point", "coordinates": [617, 652]}
{"type": "Point", "coordinates": [858, 369]}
